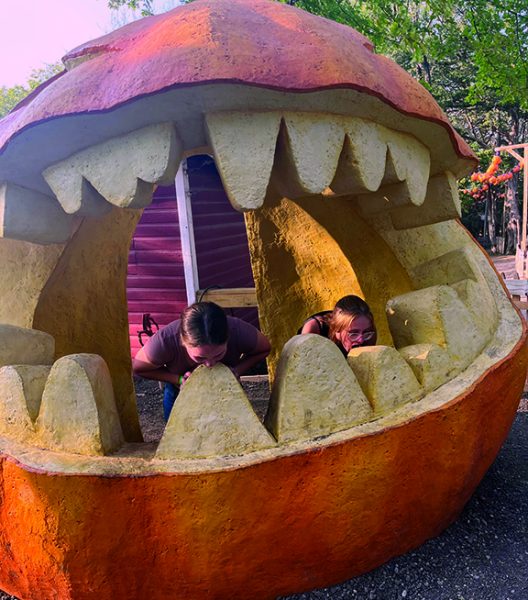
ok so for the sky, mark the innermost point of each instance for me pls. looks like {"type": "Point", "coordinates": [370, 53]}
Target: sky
{"type": "Point", "coordinates": [34, 33]}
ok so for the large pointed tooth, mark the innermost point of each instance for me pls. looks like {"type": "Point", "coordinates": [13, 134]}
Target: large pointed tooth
{"type": "Point", "coordinates": [212, 417]}
{"type": "Point", "coordinates": [78, 412]}
{"type": "Point", "coordinates": [315, 393]}
{"type": "Point", "coordinates": [430, 363]}
{"type": "Point", "coordinates": [31, 216]}
{"type": "Point", "coordinates": [388, 198]}
{"type": "Point", "coordinates": [442, 202]}
{"type": "Point", "coordinates": [74, 192]}
{"type": "Point", "coordinates": [407, 160]}
{"type": "Point", "coordinates": [481, 305]}
{"type": "Point", "coordinates": [124, 170]}
{"type": "Point", "coordinates": [385, 377]}
{"type": "Point", "coordinates": [307, 153]}
{"type": "Point", "coordinates": [362, 162]}
{"type": "Point", "coordinates": [21, 388]}
{"type": "Point", "coordinates": [244, 149]}
{"type": "Point", "coordinates": [460, 270]}
{"type": "Point", "coordinates": [435, 315]}
{"type": "Point", "coordinates": [21, 346]}
{"type": "Point", "coordinates": [406, 175]}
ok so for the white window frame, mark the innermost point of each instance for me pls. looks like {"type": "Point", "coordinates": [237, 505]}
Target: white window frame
{"type": "Point", "coordinates": [185, 220]}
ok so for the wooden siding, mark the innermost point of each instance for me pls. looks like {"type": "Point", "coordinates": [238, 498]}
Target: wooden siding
{"type": "Point", "coordinates": [155, 282]}
{"type": "Point", "coordinates": [220, 234]}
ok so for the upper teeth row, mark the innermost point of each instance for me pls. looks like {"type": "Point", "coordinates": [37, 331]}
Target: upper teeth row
{"type": "Point", "coordinates": [299, 153]}
{"type": "Point", "coordinates": [306, 154]}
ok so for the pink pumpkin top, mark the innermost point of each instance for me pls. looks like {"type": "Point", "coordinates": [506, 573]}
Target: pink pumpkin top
{"type": "Point", "coordinates": [253, 42]}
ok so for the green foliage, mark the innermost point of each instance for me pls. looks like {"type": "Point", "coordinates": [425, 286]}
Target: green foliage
{"type": "Point", "coordinates": [497, 33]}
{"type": "Point", "coordinates": [10, 97]}
{"type": "Point", "coordinates": [145, 6]}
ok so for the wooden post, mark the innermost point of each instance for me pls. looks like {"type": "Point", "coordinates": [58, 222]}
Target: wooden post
{"type": "Point", "coordinates": [525, 200]}
{"type": "Point", "coordinates": [521, 258]}
{"type": "Point", "coordinates": [190, 267]}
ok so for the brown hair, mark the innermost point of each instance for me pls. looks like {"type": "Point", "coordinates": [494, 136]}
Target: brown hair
{"type": "Point", "coordinates": [203, 323]}
{"type": "Point", "coordinates": [345, 311]}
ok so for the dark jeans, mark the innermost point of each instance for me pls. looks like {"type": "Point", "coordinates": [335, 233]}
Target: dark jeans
{"type": "Point", "coordinates": [170, 394]}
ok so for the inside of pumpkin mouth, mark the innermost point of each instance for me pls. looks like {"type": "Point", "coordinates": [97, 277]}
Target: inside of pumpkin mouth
{"type": "Point", "coordinates": [333, 206]}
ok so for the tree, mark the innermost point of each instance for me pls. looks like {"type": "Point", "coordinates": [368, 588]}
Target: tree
{"type": "Point", "coordinates": [145, 7]}
{"type": "Point", "coordinates": [11, 96]}
{"type": "Point", "coordinates": [473, 57]}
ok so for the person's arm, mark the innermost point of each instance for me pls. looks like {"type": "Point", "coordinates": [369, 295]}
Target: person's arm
{"type": "Point", "coordinates": [250, 359]}
{"type": "Point", "coordinates": [311, 326]}
{"type": "Point", "coordinates": [142, 366]}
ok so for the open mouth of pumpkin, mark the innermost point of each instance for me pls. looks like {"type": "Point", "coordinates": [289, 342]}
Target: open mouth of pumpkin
{"type": "Point", "coordinates": [334, 205]}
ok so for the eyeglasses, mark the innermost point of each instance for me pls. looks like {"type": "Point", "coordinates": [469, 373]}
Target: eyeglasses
{"type": "Point", "coordinates": [366, 336]}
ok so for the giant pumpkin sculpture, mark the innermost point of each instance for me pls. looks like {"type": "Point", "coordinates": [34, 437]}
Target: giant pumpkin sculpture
{"type": "Point", "coordinates": [346, 170]}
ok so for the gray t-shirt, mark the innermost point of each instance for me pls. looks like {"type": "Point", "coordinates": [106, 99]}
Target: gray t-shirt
{"type": "Point", "coordinates": [165, 347]}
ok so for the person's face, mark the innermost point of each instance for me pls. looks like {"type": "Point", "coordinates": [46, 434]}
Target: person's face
{"type": "Point", "coordinates": [360, 332]}
{"type": "Point", "coordinates": [207, 354]}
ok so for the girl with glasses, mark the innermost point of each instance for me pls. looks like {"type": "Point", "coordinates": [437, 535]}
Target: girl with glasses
{"type": "Point", "coordinates": [349, 325]}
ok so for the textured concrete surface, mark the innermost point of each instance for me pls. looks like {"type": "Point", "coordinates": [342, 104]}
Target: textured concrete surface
{"type": "Point", "coordinates": [88, 313]}
{"type": "Point", "coordinates": [312, 367]}
{"type": "Point", "coordinates": [48, 223]}
{"type": "Point", "coordinates": [24, 346]}
{"type": "Point", "coordinates": [212, 417]}
{"type": "Point", "coordinates": [483, 556]}
{"type": "Point", "coordinates": [84, 420]}
{"type": "Point", "coordinates": [21, 288]}
{"type": "Point", "coordinates": [122, 170]}
{"type": "Point", "coordinates": [377, 368]}
{"type": "Point", "coordinates": [22, 387]}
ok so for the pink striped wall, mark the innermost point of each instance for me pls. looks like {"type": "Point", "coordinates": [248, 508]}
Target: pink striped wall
{"type": "Point", "coordinates": [155, 282]}
{"type": "Point", "coordinates": [220, 233]}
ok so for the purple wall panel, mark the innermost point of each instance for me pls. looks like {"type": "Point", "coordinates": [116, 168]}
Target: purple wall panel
{"type": "Point", "coordinates": [220, 233]}
{"type": "Point", "coordinates": [155, 282]}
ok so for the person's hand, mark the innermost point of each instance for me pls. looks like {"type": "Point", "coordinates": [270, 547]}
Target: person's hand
{"type": "Point", "coordinates": [183, 378]}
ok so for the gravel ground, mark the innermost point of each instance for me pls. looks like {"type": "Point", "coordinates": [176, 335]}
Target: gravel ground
{"type": "Point", "coordinates": [483, 556]}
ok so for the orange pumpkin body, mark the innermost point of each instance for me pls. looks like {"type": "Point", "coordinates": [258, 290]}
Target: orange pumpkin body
{"type": "Point", "coordinates": [279, 526]}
